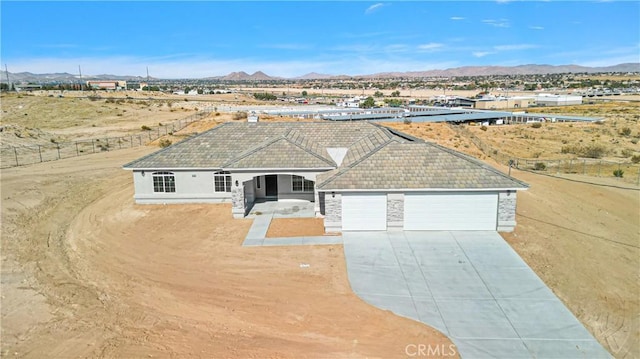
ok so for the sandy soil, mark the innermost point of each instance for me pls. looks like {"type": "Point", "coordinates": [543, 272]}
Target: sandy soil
{"type": "Point", "coordinates": [86, 273]}
{"type": "Point", "coordinates": [295, 227]}
{"type": "Point", "coordinates": [583, 240]}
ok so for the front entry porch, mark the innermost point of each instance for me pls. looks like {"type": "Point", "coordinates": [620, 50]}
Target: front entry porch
{"type": "Point", "coordinates": [280, 194]}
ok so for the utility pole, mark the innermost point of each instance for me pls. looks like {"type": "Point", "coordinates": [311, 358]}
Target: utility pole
{"type": "Point", "coordinates": [80, 72]}
{"type": "Point", "coordinates": [7, 73]}
{"type": "Point", "coordinates": [148, 85]}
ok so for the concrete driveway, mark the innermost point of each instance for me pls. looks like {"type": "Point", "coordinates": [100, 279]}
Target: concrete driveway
{"type": "Point", "coordinates": [473, 287]}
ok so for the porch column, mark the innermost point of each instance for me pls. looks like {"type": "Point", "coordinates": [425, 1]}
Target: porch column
{"type": "Point", "coordinates": [237, 200]}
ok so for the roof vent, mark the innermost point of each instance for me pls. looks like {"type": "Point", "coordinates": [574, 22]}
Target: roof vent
{"type": "Point", "coordinates": [337, 154]}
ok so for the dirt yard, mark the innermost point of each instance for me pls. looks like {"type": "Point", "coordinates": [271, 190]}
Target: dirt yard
{"type": "Point", "coordinates": [86, 273]}
{"type": "Point", "coordinates": [295, 227]}
{"type": "Point", "coordinates": [583, 240]}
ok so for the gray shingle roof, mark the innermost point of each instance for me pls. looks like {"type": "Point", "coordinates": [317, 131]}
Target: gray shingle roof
{"type": "Point", "coordinates": [377, 157]}
{"type": "Point", "coordinates": [397, 165]}
{"type": "Point", "coordinates": [229, 143]}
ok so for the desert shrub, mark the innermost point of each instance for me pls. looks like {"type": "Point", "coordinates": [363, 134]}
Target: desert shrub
{"type": "Point", "coordinates": [240, 115]}
{"type": "Point", "coordinates": [536, 124]}
{"type": "Point", "coordinates": [407, 121]}
{"type": "Point", "coordinates": [145, 128]}
{"type": "Point", "coordinates": [626, 131]}
{"type": "Point", "coordinates": [109, 100]}
{"type": "Point", "coordinates": [164, 143]}
{"type": "Point", "coordinates": [618, 173]}
{"type": "Point", "coordinates": [217, 113]}
{"type": "Point", "coordinates": [626, 152]}
{"type": "Point", "coordinates": [594, 150]}
{"type": "Point", "coordinates": [483, 128]}
{"type": "Point", "coordinates": [540, 166]}
{"type": "Point", "coordinates": [635, 158]}
{"type": "Point", "coordinates": [634, 141]}
{"type": "Point", "coordinates": [93, 97]}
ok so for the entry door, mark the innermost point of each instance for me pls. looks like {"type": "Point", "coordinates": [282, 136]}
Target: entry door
{"type": "Point", "coordinates": [271, 185]}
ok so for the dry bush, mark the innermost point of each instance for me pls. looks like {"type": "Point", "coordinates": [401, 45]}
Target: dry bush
{"type": "Point", "coordinates": [240, 115]}
{"type": "Point", "coordinates": [164, 143]}
{"type": "Point", "coordinates": [593, 150]}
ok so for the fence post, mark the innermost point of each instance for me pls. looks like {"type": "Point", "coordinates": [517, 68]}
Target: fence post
{"type": "Point", "coordinates": [599, 165]}
{"type": "Point", "coordinates": [77, 152]}
{"type": "Point", "coordinates": [130, 141]}
{"type": "Point", "coordinates": [107, 140]}
{"type": "Point", "coordinates": [93, 145]}
{"type": "Point", "coordinates": [15, 152]}
{"type": "Point", "coordinates": [58, 148]}
{"type": "Point", "coordinates": [40, 153]}
{"type": "Point", "coordinates": [584, 167]}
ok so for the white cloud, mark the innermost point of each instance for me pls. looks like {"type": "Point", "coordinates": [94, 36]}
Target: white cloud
{"type": "Point", "coordinates": [456, 18]}
{"type": "Point", "coordinates": [481, 53]}
{"type": "Point", "coordinates": [536, 27]}
{"type": "Point", "coordinates": [373, 8]}
{"type": "Point", "coordinates": [514, 47]}
{"type": "Point", "coordinates": [497, 23]}
{"type": "Point", "coordinates": [432, 46]}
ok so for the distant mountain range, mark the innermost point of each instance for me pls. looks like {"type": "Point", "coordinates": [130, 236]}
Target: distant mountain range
{"type": "Point", "coordinates": [261, 76]}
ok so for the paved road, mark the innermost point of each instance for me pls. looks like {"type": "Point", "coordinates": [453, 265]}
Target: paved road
{"type": "Point", "coordinates": [473, 287]}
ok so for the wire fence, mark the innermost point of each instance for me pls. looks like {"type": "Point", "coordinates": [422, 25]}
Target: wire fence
{"type": "Point", "coordinates": [12, 156]}
{"type": "Point", "coordinates": [584, 166]}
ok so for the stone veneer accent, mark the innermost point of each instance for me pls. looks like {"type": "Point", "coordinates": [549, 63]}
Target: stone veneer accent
{"type": "Point", "coordinates": [506, 211]}
{"type": "Point", "coordinates": [332, 212]}
{"type": "Point", "coordinates": [395, 211]}
{"type": "Point", "coordinates": [237, 201]}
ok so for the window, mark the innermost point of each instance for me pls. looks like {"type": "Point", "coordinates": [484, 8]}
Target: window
{"type": "Point", "coordinates": [164, 182]}
{"type": "Point", "coordinates": [222, 181]}
{"type": "Point", "coordinates": [299, 184]}
{"type": "Point", "coordinates": [258, 182]}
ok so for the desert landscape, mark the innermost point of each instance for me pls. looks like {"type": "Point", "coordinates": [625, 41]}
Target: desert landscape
{"type": "Point", "coordinates": [87, 273]}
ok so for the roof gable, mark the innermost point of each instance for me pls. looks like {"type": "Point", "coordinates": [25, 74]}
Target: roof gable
{"type": "Point", "coordinates": [398, 165]}
{"type": "Point", "coordinates": [279, 153]}
{"type": "Point", "coordinates": [233, 145]}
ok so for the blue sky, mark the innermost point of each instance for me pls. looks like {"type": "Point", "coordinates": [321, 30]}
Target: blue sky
{"type": "Point", "coordinates": [204, 38]}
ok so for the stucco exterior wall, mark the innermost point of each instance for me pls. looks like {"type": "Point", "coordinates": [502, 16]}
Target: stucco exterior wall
{"type": "Point", "coordinates": [506, 211]}
{"type": "Point", "coordinates": [191, 187]}
{"type": "Point", "coordinates": [285, 190]}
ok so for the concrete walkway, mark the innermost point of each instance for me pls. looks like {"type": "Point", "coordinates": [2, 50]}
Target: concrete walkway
{"type": "Point", "coordinates": [263, 212]}
{"type": "Point", "coordinates": [473, 287]}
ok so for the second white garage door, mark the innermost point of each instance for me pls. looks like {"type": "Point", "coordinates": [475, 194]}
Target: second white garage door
{"type": "Point", "coordinates": [364, 212]}
{"type": "Point", "coordinates": [451, 211]}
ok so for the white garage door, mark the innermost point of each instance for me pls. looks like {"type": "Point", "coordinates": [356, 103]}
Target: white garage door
{"type": "Point", "coordinates": [364, 212]}
{"type": "Point", "coordinates": [450, 211]}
